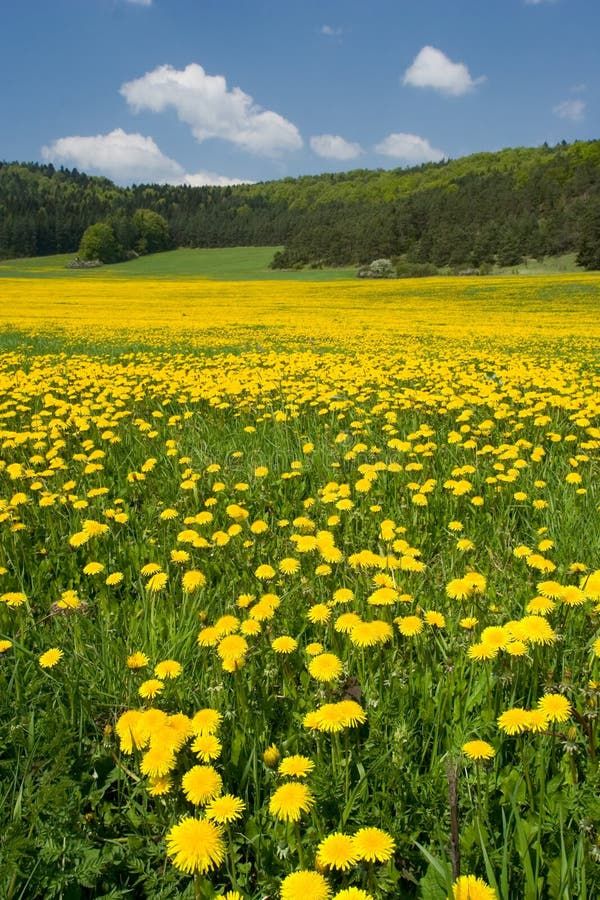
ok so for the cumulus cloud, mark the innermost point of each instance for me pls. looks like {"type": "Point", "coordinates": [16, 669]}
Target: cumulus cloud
{"type": "Point", "coordinates": [126, 158]}
{"type": "Point", "coordinates": [211, 110]}
{"type": "Point", "coordinates": [118, 155]}
{"type": "Point", "coordinates": [433, 69]}
{"type": "Point", "coordinates": [332, 146]}
{"type": "Point", "coordinates": [570, 109]}
{"type": "Point", "coordinates": [331, 31]}
{"type": "Point", "coordinates": [409, 147]}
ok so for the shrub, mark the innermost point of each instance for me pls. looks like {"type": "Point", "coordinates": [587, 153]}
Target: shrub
{"type": "Point", "coordinates": [99, 242]}
{"type": "Point", "coordinates": [379, 268]}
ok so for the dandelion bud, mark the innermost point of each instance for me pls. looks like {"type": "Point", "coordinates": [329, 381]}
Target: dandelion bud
{"type": "Point", "coordinates": [271, 757]}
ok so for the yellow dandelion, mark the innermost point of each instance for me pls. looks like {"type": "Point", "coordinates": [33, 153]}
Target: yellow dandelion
{"type": "Point", "coordinates": [478, 750]}
{"type": "Point", "coordinates": [514, 721]}
{"type": "Point", "coordinates": [369, 634]}
{"type": "Point", "coordinates": [113, 579]}
{"type": "Point", "coordinates": [346, 622]}
{"type": "Point", "coordinates": [195, 845]}
{"type": "Point", "coordinates": [14, 598]}
{"type": "Point", "coordinates": [137, 660]}
{"type": "Point", "coordinates": [160, 786]}
{"type": "Point", "coordinates": [296, 766]}
{"type": "Point", "coordinates": [458, 589]}
{"type": "Point", "coordinates": [168, 668]}
{"type": "Point", "coordinates": [290, 800]}
{"type": "Point", "coordinates": [157, 582]}
{"type": "Point", "coordinates": [482, 651]}
{"type": "Point", "coordinates": [50, 658]}
{"type": "Point", "coordinates": [373, 845]}
{"type": "Point", "coordinates": [158, 761]}
{"type": "Point", "coordinates": [325, 667]}
{"type": "Point", "coordinates": [206, 721]}
{"type": "Point", "coordinates": [555, 707]}
{"type": "Point", "coordinates": [207, 747]}
{"type": "Point", "coordinates": [284, 644]}
{"type": "Point", "coordinates": [93, 568]}
{"type": "Point", "coordinates": [208, 637]}
{"type": "Point", "coordinates": [573, 596]}
{"type": "Point", "coordinates": [516, 648]}
{"type": "Point", "coordinates": [383, 596]}
{"type": "Point", "coordinates": [201, 784]}
{"type": "Point", "coordinates": [225, 809]}
{"type": "Point", "coordinates": [537, 721]}
{"type": "Point", "coordinates": [150, 688]}
{"type": "Point", "coordinates": [337, 851]}
{"type": "Point", "coordinates": [227, 625]}
{"type": "Point", "coordinates": [193, 580]}
{"type": "Point", "coordinates": [436, 619]}
{"type": "Point", "coordinates": [303, 885]}
{"type": "Point", "coordinates": [342, 595]}
{"type": "Point", "coordinates": [540, 606]}
{"type": "Point", "coordinates": [319, 614]}
{"type": "Point", "coordinates": [233, 648]}
{"type": "Point", "coordinates": [469, 887]}
{"type": "Point", "coordinates": [409, 626]}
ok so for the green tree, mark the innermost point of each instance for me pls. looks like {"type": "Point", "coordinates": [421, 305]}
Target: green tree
{"type": "Point", "coordinates": [153, 233]}
{"type": "Point", "coordinates": [99, 242]}
{"type": "Point", "coordinates": [588, 254]}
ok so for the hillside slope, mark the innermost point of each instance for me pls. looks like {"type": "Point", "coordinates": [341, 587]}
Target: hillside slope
{"type": "Point", "coordinates": [491, 208]}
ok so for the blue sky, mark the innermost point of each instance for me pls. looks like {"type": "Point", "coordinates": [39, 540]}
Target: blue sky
{"type": "Point", "coordinates": [211, 91]}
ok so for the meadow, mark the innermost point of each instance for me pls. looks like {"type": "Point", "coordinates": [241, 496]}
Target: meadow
{"type": "Point", "coordinates": [299, 588]}
{"type": "Point", "coordinates": [226, 263]}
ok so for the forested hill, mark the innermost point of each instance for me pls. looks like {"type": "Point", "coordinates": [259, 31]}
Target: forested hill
{"type": "Point", "coordinates": [485, 208]}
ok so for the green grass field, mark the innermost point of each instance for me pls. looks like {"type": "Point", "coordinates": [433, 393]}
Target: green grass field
{"type": "Point", "coordinates": [551, 265]}
{"type": "Point", "coordinates": [228, 264]}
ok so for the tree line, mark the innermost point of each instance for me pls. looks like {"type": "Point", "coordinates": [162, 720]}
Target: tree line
{"type": "Point", "coordinates": [124, 237]}
{"type": "Point", "coordinates": [485, 209]}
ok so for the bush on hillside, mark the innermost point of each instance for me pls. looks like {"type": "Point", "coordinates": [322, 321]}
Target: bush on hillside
{"type": "Point", "coordinates": [407, 269]}
{"type": "Point", "coordinates": [379, 268]}
{"type": "Point", "coordinates": [99, 242]}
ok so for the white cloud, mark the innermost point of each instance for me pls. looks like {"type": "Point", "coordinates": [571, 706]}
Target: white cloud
{"type": "Point", "coordinates": [409, 147]}
{"type": "Point", "coordinates": [211, 110]}
{"type": "Point", "coordinates": [332, 146]}
{"type": "Point", "coordinates": [433, 69]}
{"type": "Point", "coordinates": [126, 158]}
{"type": "Point", "coordinates": [118, 155]}
{"type": "Point", "coordinates": [570, 109]}
{"type": "Point", "coordinates": [199, 179]}
{"type": "Point", "coordinates": [331, 31]}
{"type": "Point", "coordinates": [140, 2]}
{"type": "Point", "coordinates": [538, 2]}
